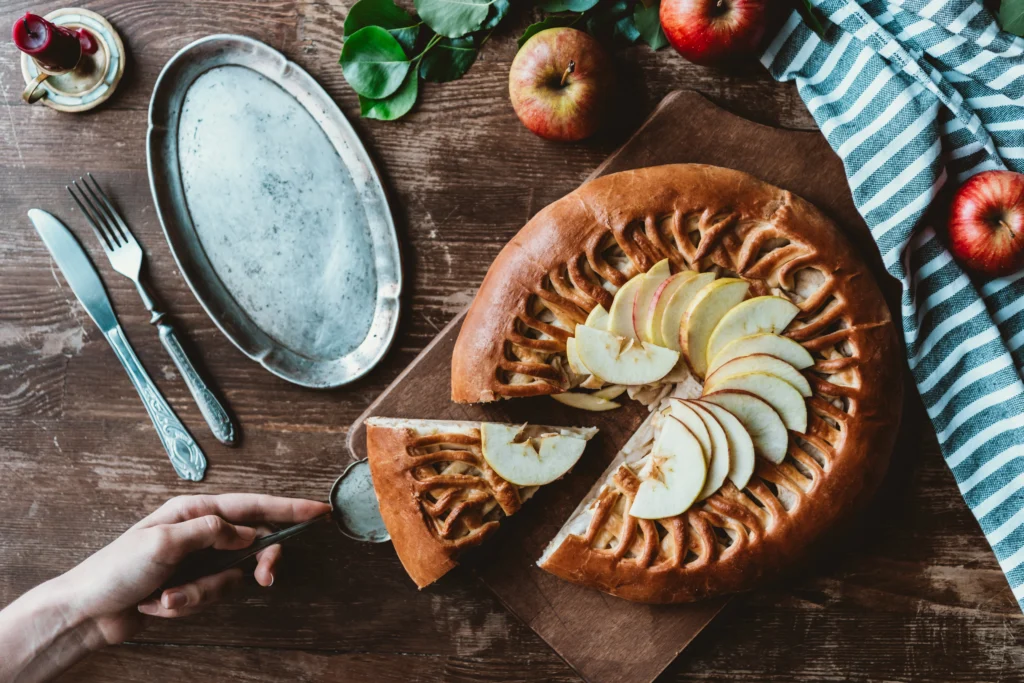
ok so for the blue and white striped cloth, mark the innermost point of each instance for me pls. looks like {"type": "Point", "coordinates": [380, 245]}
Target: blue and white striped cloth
{"type": "Point", "coordinates": [912, 95]}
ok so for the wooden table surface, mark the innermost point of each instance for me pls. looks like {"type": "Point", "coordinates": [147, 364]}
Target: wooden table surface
{"type": "Point", "coordinates": [911, 592]}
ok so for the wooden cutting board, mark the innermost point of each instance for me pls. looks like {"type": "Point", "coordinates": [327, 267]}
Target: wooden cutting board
{"type": "Point", "coordinates": [603, 638]}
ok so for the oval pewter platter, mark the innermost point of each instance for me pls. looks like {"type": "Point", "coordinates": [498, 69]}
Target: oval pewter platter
{"type": "Point", "coordinates": [274, 211]}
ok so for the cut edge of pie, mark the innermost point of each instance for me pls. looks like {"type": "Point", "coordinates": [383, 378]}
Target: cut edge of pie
{"type": "Point", "coordinates": [438, 496]}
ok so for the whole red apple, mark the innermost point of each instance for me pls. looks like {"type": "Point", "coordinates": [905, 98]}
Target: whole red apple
{"type": "Point", "coordinates": [560, 84]}
{"type": "Point", "coordinates": [986, 223]}
{"type": "Point", "coordinates": [712, 31]}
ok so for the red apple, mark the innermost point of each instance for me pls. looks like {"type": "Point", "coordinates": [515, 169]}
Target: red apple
{"type": "Point", "coordinates": [986, 223]}
{"type": "Point", "coordinates": [712, 31]}
{"type": "Point", "coordinates": [560, 84]}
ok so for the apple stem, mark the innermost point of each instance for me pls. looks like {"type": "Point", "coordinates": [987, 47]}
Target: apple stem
{"type": "Point", "coordinates": [568, 70]}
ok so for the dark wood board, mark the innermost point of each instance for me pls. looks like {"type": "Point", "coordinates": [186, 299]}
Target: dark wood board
{"type": "Point", "coordinates": [913, 594]}
{"type": "Point", "coordinates": [585, 627]}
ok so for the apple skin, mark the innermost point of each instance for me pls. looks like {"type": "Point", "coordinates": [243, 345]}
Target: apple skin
{"type": "Point", "coordinates": [554, 110]}
{"type": "Point", "coordinates": [986, 223]}
{"type": "Point", "coordinates": [709, 32]}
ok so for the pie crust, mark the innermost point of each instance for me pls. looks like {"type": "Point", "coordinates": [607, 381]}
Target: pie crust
{"type": "Point", "coordinates": [577, 251]}
{"type": "Point", "coordinates": [437, 494]}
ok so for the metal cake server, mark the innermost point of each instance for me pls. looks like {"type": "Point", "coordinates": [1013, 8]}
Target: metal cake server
{"type": "Point", "coordinates": [186, 457]}
{"type": "Point", "coordinates": [354, 509]}
{"type": "Point", "coordinates": [126, 257]}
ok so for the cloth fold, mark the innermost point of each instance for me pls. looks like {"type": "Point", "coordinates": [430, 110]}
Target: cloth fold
{"type": "Point", "coordinates": [914, 94]}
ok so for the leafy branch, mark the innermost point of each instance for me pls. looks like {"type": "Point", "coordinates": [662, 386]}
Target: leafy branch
{"type": "Point", "coordinates": [387, 51]}
{"type": "Point", "coordinates": [620, 21]}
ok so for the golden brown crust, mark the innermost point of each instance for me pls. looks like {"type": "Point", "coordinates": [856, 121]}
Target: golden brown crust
{"type": "Point", "coordinates": [700, 217]}
{"type": "Point", "coordinates": [437, 495]}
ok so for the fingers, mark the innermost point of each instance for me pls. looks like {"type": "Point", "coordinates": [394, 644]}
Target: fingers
{"type": "Point", "coordinates": [175, 541]}
{"type": "Point", "coordinates": [237, 507]}
{"type": "Point", "coordinates": [266, 561]}
{"type": "Point", "coordinates": [190, 598]}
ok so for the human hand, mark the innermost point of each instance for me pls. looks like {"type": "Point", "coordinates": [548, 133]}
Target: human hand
{"type": "Point", "coordinates": [114, 587]}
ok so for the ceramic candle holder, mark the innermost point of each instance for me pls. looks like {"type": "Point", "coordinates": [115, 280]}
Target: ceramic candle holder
{"type": "Point", "coordinates": [94, 78]}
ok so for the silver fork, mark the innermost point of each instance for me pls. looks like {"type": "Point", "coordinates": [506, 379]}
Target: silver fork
{"type": "Point", "coordinates": [126, 257]}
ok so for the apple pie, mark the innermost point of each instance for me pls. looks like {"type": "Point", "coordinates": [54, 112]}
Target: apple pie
{"type": "Point", "coordinates": [746, 322]}
{"type": "Point", "coordinates": [444, 486]}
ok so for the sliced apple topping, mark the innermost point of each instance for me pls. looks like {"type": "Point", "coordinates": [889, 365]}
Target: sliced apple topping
{"type": "Point", "coordinates": [619, 360]}
{"type": "Point", "coordinates": [676, 306]}
{"type": "Point", "coordinates": [759, 362]}
{"type": "Point", "coordinates": [776, 392]}
{"type": "Point", "coordinates": [741, 446]}
{"type": "Point", "coordinates": [703, 314]}
{"type": "Point", "coordinates": [530, 460]}
{"type": "Point", "coordinates": [659, 304]}
{"type": "Point", "coordinates": [573, 358]}
{"type": "Point", "coordinates": [683, 412]}
{"type": "Point", "coordinates": [753, 316]}
{"type": "Point", "coordinates": [591, 402]}
{"type": "Point", "coordinates": [782, 348]}
{"type": "Point", "coordinates": [620, 316]}
{"type": "Point", "coordinates": [765, 427]}
{"type": "Point", "coordinates": [611, 392]}
{"type": "Point", "coordinates": [719, 462]}
{"type": "Point", "coordinates": [672, 476]}
{"type": "Point", "coordinates": [598, 318]}
{"type": "Point", "coordinates": [652, 281]}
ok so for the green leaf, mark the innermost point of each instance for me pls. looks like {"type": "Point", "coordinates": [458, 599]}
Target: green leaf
{"type": "Point", "coordinates": [625, 29]}
{"type": "Point", "coordinates": [649, 25]}
{"type": "Point", "coordinates": [448, 60]}
{"type": "Point", "coordinates": [454, 18]}
{"type": "Point", "coordinates": [373, 62]}
{"type": "Point", "coordinates": [810, 17]}
{"type": "Point", "coordinates": [1011, 16]}
{"type": "Point", "coordinates": [603, 21]}
{"type": "Point", "coordinates": [395, 106]}
{"type": "Point", "coordinates": [499, 8]}
{"type": "Point", "coordinates": [385, 14]}
{"type": "Point", "coordinates": [554, 21]}
{"type": "Point", "coordinates": [566, 5]}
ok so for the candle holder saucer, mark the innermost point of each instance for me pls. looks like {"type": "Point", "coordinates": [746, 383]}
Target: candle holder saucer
{"type": "Point", "coordinates": [92, 81]}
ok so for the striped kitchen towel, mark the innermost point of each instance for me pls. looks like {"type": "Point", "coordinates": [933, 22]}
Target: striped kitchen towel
{"type": "Point", "coordinates": [914, 94]}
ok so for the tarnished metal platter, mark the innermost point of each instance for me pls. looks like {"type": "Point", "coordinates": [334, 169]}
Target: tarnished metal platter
{"type": "Point", "coordinates": [274, 211]}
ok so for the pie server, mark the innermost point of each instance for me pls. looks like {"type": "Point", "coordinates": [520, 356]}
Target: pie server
{"type": "Point", "coordinates": [354, 509]}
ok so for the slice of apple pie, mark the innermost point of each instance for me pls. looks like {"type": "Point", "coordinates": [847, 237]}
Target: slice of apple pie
{"type": "Point", "coordinates": [443, 486]}
{"type": "Point", "coordinates": [746, 322]}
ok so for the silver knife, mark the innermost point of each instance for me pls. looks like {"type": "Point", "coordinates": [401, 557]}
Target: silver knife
{"type": "Point", "coordinates": [186, 457]}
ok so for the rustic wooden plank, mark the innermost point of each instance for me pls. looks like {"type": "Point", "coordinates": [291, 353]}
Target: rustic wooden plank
{"type": "Point", "coordinates": [915, 595]}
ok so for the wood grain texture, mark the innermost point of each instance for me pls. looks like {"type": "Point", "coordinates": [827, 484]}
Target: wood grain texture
{"type": "Point", "coordinates": [912, 593]}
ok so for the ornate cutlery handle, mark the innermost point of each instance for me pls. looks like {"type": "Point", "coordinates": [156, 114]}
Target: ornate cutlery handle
{"type": "Point", "coordinates": [186, 457]}
{"type": "Point", "coordinates": [218, 419]}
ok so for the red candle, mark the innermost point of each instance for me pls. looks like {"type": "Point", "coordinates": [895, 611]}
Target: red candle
{"type": "Point", "coordinates": [56, 48]}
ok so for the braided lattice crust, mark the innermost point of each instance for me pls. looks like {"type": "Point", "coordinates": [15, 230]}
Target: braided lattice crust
{"type": "Point", "coordinates": [577, 251]}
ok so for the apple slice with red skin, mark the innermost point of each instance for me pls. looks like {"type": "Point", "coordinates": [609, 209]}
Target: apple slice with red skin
{"type": "Point", "coordinates": [741, 446]}
{"type": "Point", "coordinates": [986, 223]}
{"type": "Point", "coordinates": [753, 316]}
{"type": "Point", "coordinates": [764, 426]}
{"type": "Point", "coordinates": [782, 348]}
{"type": "Point", "coordinates": [759, 362]}
{"type": "Point", "coordinates": [675, 310]}
{"type": "Point", "coordinates": [719, 460]}
{"type": "Point", "coordinates": [659, 303]}
{"type": "Point", "coordinates": [703, 315]}
{"type": "Point", "coordinates": [620, 315]}
{"type": "Point", "coordinates": [652, 281]}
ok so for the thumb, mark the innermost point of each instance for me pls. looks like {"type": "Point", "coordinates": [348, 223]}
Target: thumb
{"type": "Point", "coordinates": [209, 531]}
